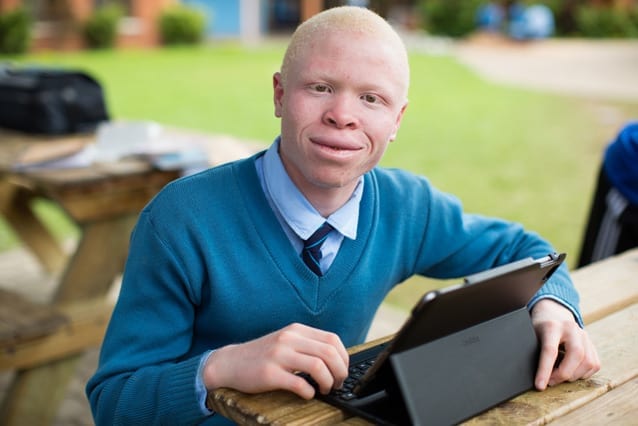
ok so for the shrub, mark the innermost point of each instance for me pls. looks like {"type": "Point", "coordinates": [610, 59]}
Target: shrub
{"type": "Point", "coordinates": [606, 22]}
{"type": "Point", "coordinates": [100, 30]}
{"type": "Point", "coordinates": [15, 31]}
{"type": "Point", "coordinates": [455, 18]}
{"type": "Point", "coordinates": [182, 25]}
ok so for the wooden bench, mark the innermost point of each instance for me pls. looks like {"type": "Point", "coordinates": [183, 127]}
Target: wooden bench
{"type": "Point", "coordinates": [33, 337]}
{"type": "Point", "coordinates": [32, 334]}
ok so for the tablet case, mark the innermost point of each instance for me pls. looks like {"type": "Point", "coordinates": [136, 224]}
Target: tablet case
{"type": "Point", "coordinates": [456, 377]}
{"type": "Point", "coordinates": [471, 371]}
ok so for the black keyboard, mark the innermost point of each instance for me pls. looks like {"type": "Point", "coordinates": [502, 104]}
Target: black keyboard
{"type": "Point", "coordinates": [355, 372]}
{"type": "Point", "coordinates": [359, 363]}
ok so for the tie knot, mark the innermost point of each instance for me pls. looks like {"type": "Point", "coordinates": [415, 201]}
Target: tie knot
{"type": "Point", "coordinates": [319, 236]}
{"type": "Point", "coordinates": [311, 252]}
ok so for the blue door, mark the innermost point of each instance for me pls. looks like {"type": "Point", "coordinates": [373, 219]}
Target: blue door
{"type": "Point", "coordinates": [222, 16]}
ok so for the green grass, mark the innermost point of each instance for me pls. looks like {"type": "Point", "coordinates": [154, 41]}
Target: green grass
{"type": "Point", "coordinates": [523, 155]}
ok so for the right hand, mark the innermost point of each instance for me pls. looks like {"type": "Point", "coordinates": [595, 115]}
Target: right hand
{"type": "Point", "coordinates": [270, 362]}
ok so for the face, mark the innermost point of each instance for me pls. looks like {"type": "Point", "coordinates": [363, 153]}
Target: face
{"type": "Point", "coordinates": [340, 106]}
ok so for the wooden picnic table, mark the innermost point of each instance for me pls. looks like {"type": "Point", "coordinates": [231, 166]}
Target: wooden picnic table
{"type": "Point", "coordinates": [43, 343]}
{"type": "Point", "coordinates": [609, 303]}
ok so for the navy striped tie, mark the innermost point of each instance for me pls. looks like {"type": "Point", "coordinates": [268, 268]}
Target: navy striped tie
{"type": "Point", "coordinates": [311, 253]}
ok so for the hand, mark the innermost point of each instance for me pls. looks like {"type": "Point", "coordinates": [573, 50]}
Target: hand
{"type": "Point", "coordinates": [556, 328]}
{"type": "Point", "coordinates": [271, 362]}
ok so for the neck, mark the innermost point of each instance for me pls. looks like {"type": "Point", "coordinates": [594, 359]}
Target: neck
{"type": "Point", "coordinates": [328, 200]}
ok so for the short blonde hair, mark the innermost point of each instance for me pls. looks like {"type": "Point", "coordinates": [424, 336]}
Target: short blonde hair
{"type": "Point", "coordinates": [343, 19]}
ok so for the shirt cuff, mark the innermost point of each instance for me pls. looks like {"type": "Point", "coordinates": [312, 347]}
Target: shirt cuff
{"type": "Point", "coordinates": [200, 388]}
{"type": "Point", "coordinates": [573, 310]}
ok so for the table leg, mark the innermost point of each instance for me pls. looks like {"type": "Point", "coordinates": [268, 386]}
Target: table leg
{"type": "Point", "coordinates": [102, 248]}
{"type": "Point", "coordinates": [15, 205]}
{"type": "Point", "coordinates": [35, 395]}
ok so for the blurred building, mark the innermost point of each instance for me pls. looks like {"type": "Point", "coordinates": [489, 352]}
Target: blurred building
{"type": "Point", "coordinates": [57, 23]}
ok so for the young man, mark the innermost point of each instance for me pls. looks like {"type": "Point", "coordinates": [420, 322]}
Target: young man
{"type": "Point", "coordinates": [219, 290]}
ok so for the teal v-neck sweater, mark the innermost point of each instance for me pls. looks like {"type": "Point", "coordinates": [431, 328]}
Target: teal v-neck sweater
{"type": "Point", "coordinates": [210, 265]}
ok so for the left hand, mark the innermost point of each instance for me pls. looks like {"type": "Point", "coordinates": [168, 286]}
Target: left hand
{"type": "Point", "coordinates": [557, 329]}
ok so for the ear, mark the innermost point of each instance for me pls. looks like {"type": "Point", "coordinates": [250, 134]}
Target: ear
{"type": "Point", "coordinates": [278, 93]}
{"type": "Point", "coordinates": [397, 123]}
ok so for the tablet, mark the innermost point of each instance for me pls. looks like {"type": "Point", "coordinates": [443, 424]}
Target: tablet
{"type": "Point", "coordinates": [477, 299]}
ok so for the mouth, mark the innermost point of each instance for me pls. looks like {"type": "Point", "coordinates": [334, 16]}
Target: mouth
{"type": "Point", "coordinates": [334, 146]}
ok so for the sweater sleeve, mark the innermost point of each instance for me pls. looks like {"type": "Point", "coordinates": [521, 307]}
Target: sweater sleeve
{"type": "Point", "coordinates": [458, 244]}
{"type": "Point", "coordinates": [146, 373]}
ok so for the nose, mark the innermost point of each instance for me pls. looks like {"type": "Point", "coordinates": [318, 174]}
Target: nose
{"type": "Point", "coordinates": [341, 113]}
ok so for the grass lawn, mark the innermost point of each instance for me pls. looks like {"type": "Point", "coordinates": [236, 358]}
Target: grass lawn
{"type": "Point", "coordinates": [526, 156]}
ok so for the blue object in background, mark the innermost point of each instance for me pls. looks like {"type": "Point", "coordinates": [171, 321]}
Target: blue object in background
{"type": "Point", "coordinates": [532, 22]}
{"type": "Point", "coordinates": [490, 17]}
{"type": "Point", "coordinates": [223, 17]}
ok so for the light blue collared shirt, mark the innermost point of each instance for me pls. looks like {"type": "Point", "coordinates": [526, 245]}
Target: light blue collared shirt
{"type": "Point", "coordinates": [298, 218]}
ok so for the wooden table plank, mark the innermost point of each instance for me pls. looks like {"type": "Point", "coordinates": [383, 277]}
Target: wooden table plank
{"type": "Point", "coordinates": [21, 149]}
{"type": "Point", "coordinates": [272, 408]}
{"type": "Point", "coordinates": [607, 286]}
{"type": "Point", "coordinates": [618, 407]}
{"type": "Point", "coordinates": [616, 338]}
{"type": "Point", "coordinates": [353, 421]}
{"type": "Point", "coordinates": [91, 195]}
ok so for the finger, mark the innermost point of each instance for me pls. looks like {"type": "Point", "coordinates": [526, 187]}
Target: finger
{"type": "Point", "coordinates": [548, 355]}
{"type": "Point", "coordinates": [590, 363]}
{"type": "Point", "coordinates": [322, 357]}
{"type": "Point", "coordinates": [300, 386]}
{"type": "Point", "coordinates": [595, 359]}
{"type": "Point", "coordinates": [581, 359]}
{"type": "Point", "coordinates": [326, 337]}
{"type": "Point", "coordinates": [318, 371]}
{"type": "Point", "coordinates": [275, 377]}
{"type": "Point", "coordinates": [571, 367]}
{"type": "Point", "coordinates": [325, 346]}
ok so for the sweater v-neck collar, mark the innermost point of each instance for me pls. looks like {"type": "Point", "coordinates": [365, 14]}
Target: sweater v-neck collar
{"type": "Point", "coordinates": [313, 290]}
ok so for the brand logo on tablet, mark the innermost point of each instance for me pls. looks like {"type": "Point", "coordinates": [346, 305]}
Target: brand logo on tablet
{"type": "Point", "coordinates": [471, 340]}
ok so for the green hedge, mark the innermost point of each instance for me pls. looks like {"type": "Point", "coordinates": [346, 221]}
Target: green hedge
{"type": "Point", "coordinates": [456, 18]}
{"type": "Point", "coordinates": [182, 25]}
{"type": "Point", "coordinates": [15, 31]}
{"type": "Point", "coordinates": [599, 22]}
{"type": "Point", "coordinates": [100, 30]}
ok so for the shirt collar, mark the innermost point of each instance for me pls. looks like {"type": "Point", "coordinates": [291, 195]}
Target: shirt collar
{"type": "Point", "coordinates": [296, 210]}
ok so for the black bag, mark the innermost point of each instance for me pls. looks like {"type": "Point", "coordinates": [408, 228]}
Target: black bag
{"type": "Point", "coordinates": [50, 101]}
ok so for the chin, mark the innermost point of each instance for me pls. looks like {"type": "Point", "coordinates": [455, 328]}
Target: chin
{"type": "Point", "coordinates": [335, 183]}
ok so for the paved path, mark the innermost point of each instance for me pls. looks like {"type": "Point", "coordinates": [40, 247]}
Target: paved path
{"type": "Point", "coordinates": [599, 69]}
{"type": "Point", "coordinates": [604, 70]}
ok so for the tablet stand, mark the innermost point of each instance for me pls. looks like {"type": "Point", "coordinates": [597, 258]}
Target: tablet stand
{"type": "Point", "coordinates": [458, 376]}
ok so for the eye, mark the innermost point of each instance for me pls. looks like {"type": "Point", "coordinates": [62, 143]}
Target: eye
{"type": "Point", "coordinates": [370, 98]}
{"type": "Point", "coordinates": [321, 88]}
